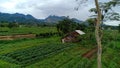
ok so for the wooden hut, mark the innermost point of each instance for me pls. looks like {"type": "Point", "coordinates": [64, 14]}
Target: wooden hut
{"type": "Point", "coordinates": [72, 36]}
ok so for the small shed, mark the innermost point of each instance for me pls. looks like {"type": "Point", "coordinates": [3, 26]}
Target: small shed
{"type": "Point", "coordinates": [72, 36]}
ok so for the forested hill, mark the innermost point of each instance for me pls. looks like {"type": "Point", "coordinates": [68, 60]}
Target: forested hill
{"type": "Point", "coordinates": [21, 18]}
{"type": "Point", "coordinates": [17, 17]}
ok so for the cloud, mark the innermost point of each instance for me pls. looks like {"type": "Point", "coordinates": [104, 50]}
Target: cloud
{"type": "Point", "coordinates": [43, 8]}
{"type": "Point", "coordinates": [113, 23]}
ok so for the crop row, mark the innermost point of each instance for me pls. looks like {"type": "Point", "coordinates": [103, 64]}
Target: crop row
{"type": "Point", "coordinates": [33, 54]}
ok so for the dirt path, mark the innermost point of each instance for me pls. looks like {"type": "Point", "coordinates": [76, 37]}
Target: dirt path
{"type": "Point", "coordinates": [12, 37]}
{"type": "Point", "coordinates": [90, 53]}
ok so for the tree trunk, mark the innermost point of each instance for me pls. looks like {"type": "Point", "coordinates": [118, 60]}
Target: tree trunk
{"type": "Point", "coordinates": [98, 34]}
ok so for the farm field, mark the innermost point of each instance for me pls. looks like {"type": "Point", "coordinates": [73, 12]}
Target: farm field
{"type": "Point", "coordinates": [49, 52]}
{"type": "Point", "coordinates": [26, 30]}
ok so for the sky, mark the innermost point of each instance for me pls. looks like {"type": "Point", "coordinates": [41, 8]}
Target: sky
{"type": "Point", "coordinates": [43, 8]}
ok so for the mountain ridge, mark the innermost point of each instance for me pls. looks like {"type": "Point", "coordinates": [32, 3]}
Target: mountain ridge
{"type": "Point", "coordinates": [22, 18]}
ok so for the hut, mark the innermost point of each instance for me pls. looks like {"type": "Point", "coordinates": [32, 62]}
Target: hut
{"type": "Point", "coordinates": [72, 36]}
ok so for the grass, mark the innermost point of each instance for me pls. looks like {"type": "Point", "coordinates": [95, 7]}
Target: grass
{"type": "Point", "coordinates": [21, 44]}
{"type": "Point", "coordinates": [111, 55]}
{"type": "Point", "coordinates": [4, 64]}
{"type": "Point", "coordinates": [26, 30]}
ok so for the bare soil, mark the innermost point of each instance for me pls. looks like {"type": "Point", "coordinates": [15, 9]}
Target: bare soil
{"type": "Point", "coordinates": [90, 53]}
{"type": "Point", "coordinates": [12, 37]}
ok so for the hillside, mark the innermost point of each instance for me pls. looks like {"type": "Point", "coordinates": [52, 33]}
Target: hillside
{"type": "Point", "coordinates": [17, 17]}
{"type": "Point", "coordinates": [21, 18]}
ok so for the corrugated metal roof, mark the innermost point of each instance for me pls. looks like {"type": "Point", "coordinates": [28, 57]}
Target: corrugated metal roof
{"type": "Point", "coordinates": [80, 32]}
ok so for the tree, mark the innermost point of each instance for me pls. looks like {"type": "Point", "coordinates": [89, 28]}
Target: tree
{"type": "Point", "coordinates": [119, 28]}
{"type": "Point", "coordinates": [13, 24]}
{"type": "Point", "coordinates": [67, 25]}
{"type": "Point", "coordinates": [107, 12]}
{"type": "Point", "coordinates": [98, 32]}
{"type": "Point", "coordinates": [91, 22]}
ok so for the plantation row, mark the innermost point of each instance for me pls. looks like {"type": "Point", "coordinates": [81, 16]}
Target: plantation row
{"type": "Point", "coordinates": [33, 54]}
{"type": "Point", "coordinates": [69, 58]}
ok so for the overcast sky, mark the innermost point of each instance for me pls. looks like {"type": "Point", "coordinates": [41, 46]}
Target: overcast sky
{"type": "Point", "coordinates": [43, 8]}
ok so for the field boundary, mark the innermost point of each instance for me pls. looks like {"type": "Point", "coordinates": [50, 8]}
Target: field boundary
{"type": "Point", "coordinates": [17, 36]}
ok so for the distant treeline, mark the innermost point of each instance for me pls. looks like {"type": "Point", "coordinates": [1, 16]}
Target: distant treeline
{"type": "Point", "coordinates": [18, 24]}
{"type": "Point", "coordinates": [43, 35]}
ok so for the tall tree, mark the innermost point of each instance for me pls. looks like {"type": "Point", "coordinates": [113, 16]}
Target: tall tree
{"type": "Point", "coordinates": [98, 31]}
{"type": "Point", "coordinates": [119, 28]}
{"type": "Point", "coordinates": [67, 25]}
{"type": "Point", "coordinates": [98, 34]}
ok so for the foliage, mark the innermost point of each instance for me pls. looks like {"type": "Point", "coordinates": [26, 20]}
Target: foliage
{"type": "Point", "coordinates": [3, 24]}
{"type": "Point", "coordinates": [119, 28]}
{"type": "Point", "coordinates": [11, 25]}
{"type": "Point", "coordinates": [107, 10]}
{"type": "Point", "coordinates": [44, 35]}
{"type": "Point", "coordinates": [67, 25]}
{"type": "Point", "coordinates": [91, 22]}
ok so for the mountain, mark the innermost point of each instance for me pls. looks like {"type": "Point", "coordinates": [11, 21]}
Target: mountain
{"type": "Point", "coordinates": [17, 17]}
{"type": "Point", "coordinates": [56, 19]}
{"type": "Point", "coordinates": [21, 18]}
{"type": "Point", "coordinates": [76, 20]}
